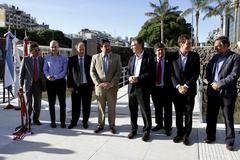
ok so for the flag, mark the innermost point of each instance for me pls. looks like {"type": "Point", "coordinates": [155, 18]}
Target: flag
{"type": "Point", "coordinates": [8, 74]}
{"type": "Point", "coordinates": [17, 63]}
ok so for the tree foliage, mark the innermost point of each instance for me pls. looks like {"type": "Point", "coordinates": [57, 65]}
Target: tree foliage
{"type": "Point", "coordinates": [43, 37]}
{"type": "Point", "coordinates": [173, 28]}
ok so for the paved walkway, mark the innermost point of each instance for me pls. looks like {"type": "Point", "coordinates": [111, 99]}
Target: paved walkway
{"type": "Point", "coordinates": [82, 144]}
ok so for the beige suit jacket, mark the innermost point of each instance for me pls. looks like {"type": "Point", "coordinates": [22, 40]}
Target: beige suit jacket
{"type": "Point", "coordinates": [97, 72]}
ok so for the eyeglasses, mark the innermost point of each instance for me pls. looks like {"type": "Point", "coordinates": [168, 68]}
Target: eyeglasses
{"type": "Point", "coordinates": [36, 50]}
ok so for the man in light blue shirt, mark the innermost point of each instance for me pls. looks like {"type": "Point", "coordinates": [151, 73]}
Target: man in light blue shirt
{"type": "Point", "coordinates": [55, 69]}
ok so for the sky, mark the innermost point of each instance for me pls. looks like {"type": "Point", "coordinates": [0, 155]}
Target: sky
{"type": "Point", "coordinates": [117, 17]}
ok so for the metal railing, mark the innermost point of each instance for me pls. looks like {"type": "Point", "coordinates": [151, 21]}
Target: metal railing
{"type": "Point", "coordinates": [123, 79]}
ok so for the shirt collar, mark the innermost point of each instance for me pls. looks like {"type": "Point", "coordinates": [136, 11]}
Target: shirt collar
{"type": "Point", "coordinates": [139, 56]}
{"type": "Point", "coordinates": [108, 54]}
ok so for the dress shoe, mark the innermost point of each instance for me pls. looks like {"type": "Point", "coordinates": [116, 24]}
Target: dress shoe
{"type": "Point", "coordinates": [85, 125]}
{"type": "Point", "coordinates": [63, 125]}
{"type": "Point", "coordinates": [71, 126]}
{"type": "Point", "coordinates": [207, 140]}
{"type": "Point", "coordinates": [158, 127]}
{"type": "Point", "coordinates": [146, 137]}
{"type": "Point", "coordinates": [37, 123]}
{"type": "Point", "coordinates": [186, 141]}
{"type": "Point", "coordinates": [131, 135]}
{"type": "Point", "coordinates": [112, 130]}
{"type": "Point", "coordinates": [177, 139]}
{"type": "Point", "coordinates": [229, 147]}
{"type": "Point", "coordinates": [98, 129]}
{"type": "Point", "coordinates": [53, 125]}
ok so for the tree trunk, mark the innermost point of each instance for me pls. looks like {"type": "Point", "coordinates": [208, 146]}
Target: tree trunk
{"type": "Point", "coordinates": [222, 18]}
{"type": "Point", "coordinates": [162, 28]}
{"type": "Point", "coordinates": [197, 20]}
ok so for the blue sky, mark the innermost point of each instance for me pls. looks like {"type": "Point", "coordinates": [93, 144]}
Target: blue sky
{"type": "Point", "coordinates": [117, 17]}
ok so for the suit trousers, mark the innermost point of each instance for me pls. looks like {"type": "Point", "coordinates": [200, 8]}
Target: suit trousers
{"type": "Point", "coordinates": [57, 88]}
{"type": "Point", "coordinates": [142, 98]}
{"type": "Point", "coordinates": [35, 93]}
{"type": "Point", "coordinates": [215, 101]}
{"type": "Point", "coordinates": [81, 98]}
{"type": "Point", "coordinates": [162, 100]}
{"type": "Point", "coordinates": [184, 105]}
{"type": "Point", "coordinates": [106, 97]}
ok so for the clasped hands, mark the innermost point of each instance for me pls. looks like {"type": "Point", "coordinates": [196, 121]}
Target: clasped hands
{"type": "Point", "coordinates": [106, 85]}
{"type": "Point", "coordinates": [51, 78]}
{"type": "Point", "coordinates": [215, 86]}
{"type": "Point", "coordinates": [182, 89]}
{"type": "Point", "coordinates": [132, 79]}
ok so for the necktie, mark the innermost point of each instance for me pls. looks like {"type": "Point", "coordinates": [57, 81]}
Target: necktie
{"type": "Point", "coordinates": [105, 63]}
{"type": "Point", "coordinates": [159, 72]}
{"type": "Point", "coordinates": [35, 74]}
{"type": "Point", "coordinates": [81, 70]}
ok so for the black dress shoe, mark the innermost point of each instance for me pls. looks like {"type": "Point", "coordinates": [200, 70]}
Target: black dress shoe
{"type": "Point", "coordinates": [146, 137]}
{"type": "Point", "coordinates": [85, 125]}
{"type": "Point", "coordinates": [63, 125]}
{"type": "Point", "coordinates": [177, 139]}
{"type": "Point", "coordinates": [209, 141]}
{"type": "Point", "coordinates": [131, 135]}
{"type": "Point", "coordinates": [37, 123]}
{"type": "Point", "coordinates": [186, 141]}
{"type": "Point", "coordinates": [229, 147]}
{"type": "Point", "coordinates": [53, 125]}
{"type": "Point", "coordinates": [112, 130]}
{"type": "Point", "coordinates": [71, 126]}
{"type": "Point", "coordinates": [157, 128]}
{"type": "Point", "coordinates": [98, 129]}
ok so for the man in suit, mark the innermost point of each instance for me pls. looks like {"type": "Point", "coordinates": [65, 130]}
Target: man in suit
{"type": "Point", "coordinates": [105, 71]}
{"type": "Point", "coordinates": [80, 84]}
{"type": "Point", "coordinates": [55, 69]}
{"type": "Point", "coordinates": [186, 70]}
{"type": "Point", "coordinates": [141, 80]}
{"type": "Point", "coordinates": [32, 78]}
{"type": "Point", "coordinates": [162, 91]}
{"type": "Point", "coordinates": [222, 73]}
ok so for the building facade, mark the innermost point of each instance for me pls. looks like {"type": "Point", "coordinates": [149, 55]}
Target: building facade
{"type": "Point", "coordinates": [11, 16]}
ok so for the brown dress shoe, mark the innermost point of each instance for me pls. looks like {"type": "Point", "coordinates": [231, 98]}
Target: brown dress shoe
{"type": "Point", "coordinates": [112, 130]}
{"type": "Point", "coordinates": [98, 129]}
{"type": "Point", "coordinates": [229, 147]}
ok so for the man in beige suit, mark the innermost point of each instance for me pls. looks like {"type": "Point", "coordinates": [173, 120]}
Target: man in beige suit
{"type": "Point", "coordinates": [105, 71]}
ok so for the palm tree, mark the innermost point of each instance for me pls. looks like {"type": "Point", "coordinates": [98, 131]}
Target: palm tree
{"type": "Point", "coordinates": [236, 5]}
{"type": "Point", "coordinates": [160, 12]}
{"type": "Point", "coordinates": [222, 9]}
{"type": "Point", "coordinates": [197, 7]}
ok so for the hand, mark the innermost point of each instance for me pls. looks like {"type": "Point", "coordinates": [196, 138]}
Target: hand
{"type": "Point", "coordinates": [215, 86]}
{"type": "Point", "coordinates": [51, 78]}
{"type": "Point", "coordinates": [20, 90]}
{"type": "Point", "coordinates": [133, 79]}
{"type": "Point", "coordinates": [182, 89]}
{"type": "Point", "coordinates": [70, 89]}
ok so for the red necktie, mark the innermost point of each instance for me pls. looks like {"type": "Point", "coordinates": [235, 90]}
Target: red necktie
{"type": "Point", "coordinates": [159, 72]}
{"type": "Point", "coordinates": [35, 76]}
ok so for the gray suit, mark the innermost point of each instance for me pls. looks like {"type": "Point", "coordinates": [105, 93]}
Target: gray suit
{"type": "Point", "coordinates": [226, 97]}
{"type": "Point", "coordinates": [33, 89]}
{"type": "Point", "coordinates": [104, 96]}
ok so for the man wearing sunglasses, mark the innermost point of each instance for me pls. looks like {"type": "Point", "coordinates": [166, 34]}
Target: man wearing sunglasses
{"type": "Point", "coordinates": [32, 78]}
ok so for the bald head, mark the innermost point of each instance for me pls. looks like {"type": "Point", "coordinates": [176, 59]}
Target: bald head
{"type": "Point", "coordinates": [54, 47]}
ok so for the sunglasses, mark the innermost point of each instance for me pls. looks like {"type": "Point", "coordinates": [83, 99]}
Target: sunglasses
{"type": "Point", "coordinates": [36, 50]}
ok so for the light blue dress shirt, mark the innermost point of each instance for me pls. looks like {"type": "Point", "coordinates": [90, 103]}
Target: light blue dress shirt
{"type": "Point", "coordinates": [55, 66]}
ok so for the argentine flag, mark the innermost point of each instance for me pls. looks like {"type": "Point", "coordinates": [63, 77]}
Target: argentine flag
{"type": "Point", "coordinates": [8, 75]}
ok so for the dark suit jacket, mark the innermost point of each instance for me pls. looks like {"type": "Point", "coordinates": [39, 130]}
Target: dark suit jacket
{"type": "Point", "coordinates": [167, 70]}
{"type": "Point", "coordinates": [26, 74]}
{"type": "Point", "coordinates": [190, 74]}
{"type": "Point", "coordinates": [73, 75]}
{"type": "Point", "coordinates": [228, 74]}
{"type": "Point", "coordinates": [146, 76]}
